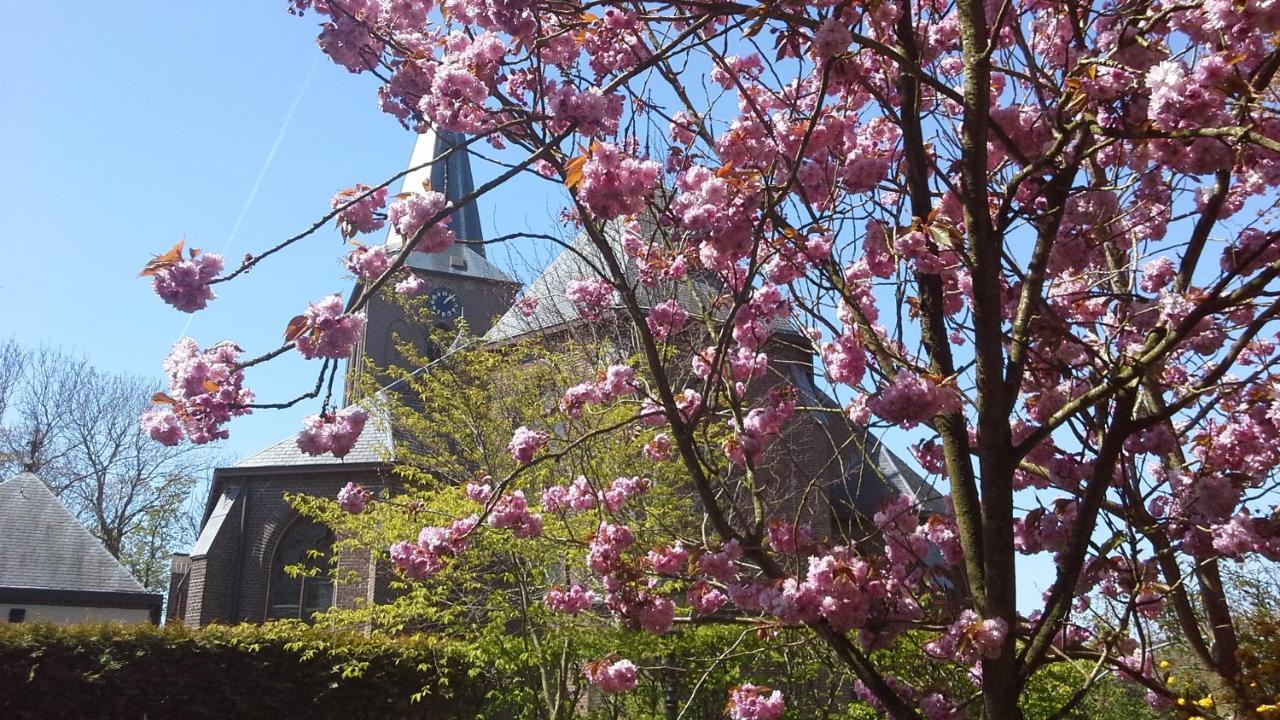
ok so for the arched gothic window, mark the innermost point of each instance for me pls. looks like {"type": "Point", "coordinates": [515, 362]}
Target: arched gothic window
{"type": "Point", "coordinates": [301, 596]}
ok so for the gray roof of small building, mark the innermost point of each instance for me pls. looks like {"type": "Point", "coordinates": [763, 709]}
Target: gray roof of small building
{"type": "Point", "coordinates": [45, 547]}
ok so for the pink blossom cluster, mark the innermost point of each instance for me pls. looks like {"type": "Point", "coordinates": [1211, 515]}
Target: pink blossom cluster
{"type": "Point", "coordinates": [615, 42]}
{"type": "Point", "coordinates": [590, 111]}
{"type": "Point", "coordinates": [353, 498]}
{"type": "Point", "coordinates": [761, 426]}
{"type": "Point", "coordinates": [969, 639]}
{"type": "Point", "coordinates": [410, 215]}
{"type": "Point", "coordinates": [604, 552]}
{"type": "Point", "coordinates": [526, 443]}
{"type": "Point", "coordinates": [666, 319]}
{"type": "Point", "coordinates": [572, 600]}
{"type": "Point", "coordinates": [412, 284]}
{"type": "Point", "coordinates": [792, 258]}
{"type": "Point", "coordinates": [659, 449]}
{"type": "Point", "coordinates": [368, 262]}
{"type": "Point", "coordinates": [751, 325]}
{"type": "Point", "coordinates": [617, 381]}
{"type": "Point", "coordinates": [580, 495]}
{"type": "Point", "coordinates": [327, 330]}
{"type": "Point", "coordinates": [576, 497]}
{"type": "Point", "coordinates": [184, 284]}
{"type": "Point", "coordinates": [205, 391]}
{"type": "Point", "coordinates": [638, 606]}
{"type": "Point", "coordinates": [611, 677]}
{"type": "Point", "coordinates": [434, 546]}
{"type": "Point", "coordinates": [511, 512]}
{"type": "Point", "coordinates": [615, 184]}
{"type": "Point", "coordinates": [722, 564]}
{"type": "Point", "coordinates": [669, 560]}
{"type": "Point", "coordinates": [478, 492]}
{"type": "Point", "coordinates": [705, 598]}
{"type": "Point", "coordinates": [754, 702]}
{"type": "Point", "coordinates": [910, 398]}
{"type": "Point", "coordinates": [359, 215]}
{"type": "Point", "coordinates": [787, 537]}
{"type": "Point", "coordinates": [590, 297]}
{"type": "Point", "coordinates": [845, 359]}
{"type": "Point", "coordinates": [332, 432]}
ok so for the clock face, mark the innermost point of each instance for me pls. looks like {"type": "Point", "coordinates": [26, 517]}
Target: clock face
{"type": "Point", "coordinates": [444, 304]}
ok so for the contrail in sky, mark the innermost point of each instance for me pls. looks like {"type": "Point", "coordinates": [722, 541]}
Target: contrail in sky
{"type": "Point", "coordinates": [266, 165]}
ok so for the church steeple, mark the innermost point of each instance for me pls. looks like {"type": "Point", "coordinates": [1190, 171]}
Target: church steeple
{"type": "Point", "coordinates": [449, 175]}
{"type": "Point", "coordinates": [461, 283]}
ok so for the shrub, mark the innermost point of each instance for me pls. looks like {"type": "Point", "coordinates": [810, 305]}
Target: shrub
{"type": "Point", "coordinates": [275, 671]}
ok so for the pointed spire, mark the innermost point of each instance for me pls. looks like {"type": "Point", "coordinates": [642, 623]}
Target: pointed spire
{"type": "Point", "coordinates": [451, 176]}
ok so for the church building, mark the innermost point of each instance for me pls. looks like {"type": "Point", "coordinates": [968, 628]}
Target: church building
{"type": "Point", "coordinates": [250, 534]}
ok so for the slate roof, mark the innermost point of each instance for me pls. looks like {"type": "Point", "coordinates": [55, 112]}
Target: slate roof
{"type": "Point", "coordinates": [583, 260]}
{"type": "Point", "coordinates": [376, 444]}
{"type": "Point", "coordinates": [873, 473]}
{"type": "Point", "coordinates": [46, 548]}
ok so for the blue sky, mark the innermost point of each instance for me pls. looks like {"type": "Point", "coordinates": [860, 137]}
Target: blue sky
{"type": "Point", "coordinates": [128, 127]}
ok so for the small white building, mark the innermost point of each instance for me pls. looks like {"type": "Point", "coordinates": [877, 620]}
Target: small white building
{"type": "Point", "coordinates": [53, 570]}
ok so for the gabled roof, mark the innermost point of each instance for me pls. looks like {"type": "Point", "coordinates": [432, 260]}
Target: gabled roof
{"type": "Point", "coordinates": [583, 260]}
{"type": "Point", "coordinates": [375, 445]}
{"type": "Point", "coordinates": [46, 548]}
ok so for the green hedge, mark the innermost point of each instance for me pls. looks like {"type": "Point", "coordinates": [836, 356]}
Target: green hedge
{"type": "Point", "coordinates": [274, 671]}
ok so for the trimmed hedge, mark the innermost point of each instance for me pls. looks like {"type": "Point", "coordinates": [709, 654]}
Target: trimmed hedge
{"type": "Point", "coordinates": [275, 671]}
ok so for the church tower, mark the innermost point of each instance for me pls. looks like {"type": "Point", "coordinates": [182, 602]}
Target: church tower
{"type": "Point", "coordinates": [460, 283]}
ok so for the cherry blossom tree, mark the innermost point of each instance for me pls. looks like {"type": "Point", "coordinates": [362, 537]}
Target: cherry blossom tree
{"type": "Point", "coordinates": [1036, 235]}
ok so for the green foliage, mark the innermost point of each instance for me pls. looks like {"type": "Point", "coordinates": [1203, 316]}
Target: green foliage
{"type": "Point", "coordinates": [278, 670]}
{"type": "Point", "coordinates": [488, 600]}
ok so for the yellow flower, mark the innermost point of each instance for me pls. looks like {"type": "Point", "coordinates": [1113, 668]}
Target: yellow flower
{"type": "Point", "coordinates": [1205, 702]}
{"type": "Point", "coordinates": [1164, 664]}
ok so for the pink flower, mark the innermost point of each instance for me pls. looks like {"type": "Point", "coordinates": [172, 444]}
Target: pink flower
{"type": "Point", "coordinates": [604, 552]}
{"type": "Point", "coordinates": [705, 599]}
{"type": "Point", "coordinates": [526, 443]}
{"type": "Point", "coordinates": [325, 330]}
{"type": "Point", "coordinates": [1157, 274]}
{"type": "Point", "coordinates": [205, 392]}
{"type": "Point", "coordinates": [511, 512]}
{"type": "Point", "coordinates": [572, 600]}
{"type": "Point", "coordinates": [669, 560]}
{"type": "Point", "coordinates": [666, 318]}
{"type": "Point", "coordinates": [831, 39]}
{"type": "Point", "coordinates": [352, 498]}
{"type": "Point", "coordinates": [412, 213]}
{"type": "Point", "coordinates": [612, 678]}
{"type": "Point", "coordinates": [479, 492]}
{"type": "Point", "coordinates": [749, 702]}
{"type": "Point", "coordinates": [614, 184]}
{"type": "Point", "coordinates": [368, 262]}
{"type": "Point", "coordinates": [659, 448]}
{"type": "Point", "coordinates": [185, 284]}
{"type": "Point", "coordinates": [414, 562]}
{"type": "Point", "coordinates": [721, 565]}
{"type": "Point", "coordinates": [359, 216]}
{"type": "Point", "coordinates": [969, 639]}
{"type": "Point", "coordinates": [527, 306]}
{"type": "Point", "coordinates": [786, 537]}
{"type": "Point", "coordinates": [589, 297]}
{"type": "Point", "coordinates": [162, 425]}
{"type": "Point", "coordinates": [911, 398]}
{"type": "Point", "coordinates": [845, 359]}
{"type": "Point", "coordinates": [411, 285]}
{"type": "Point", "coordinates": [333, 432]}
